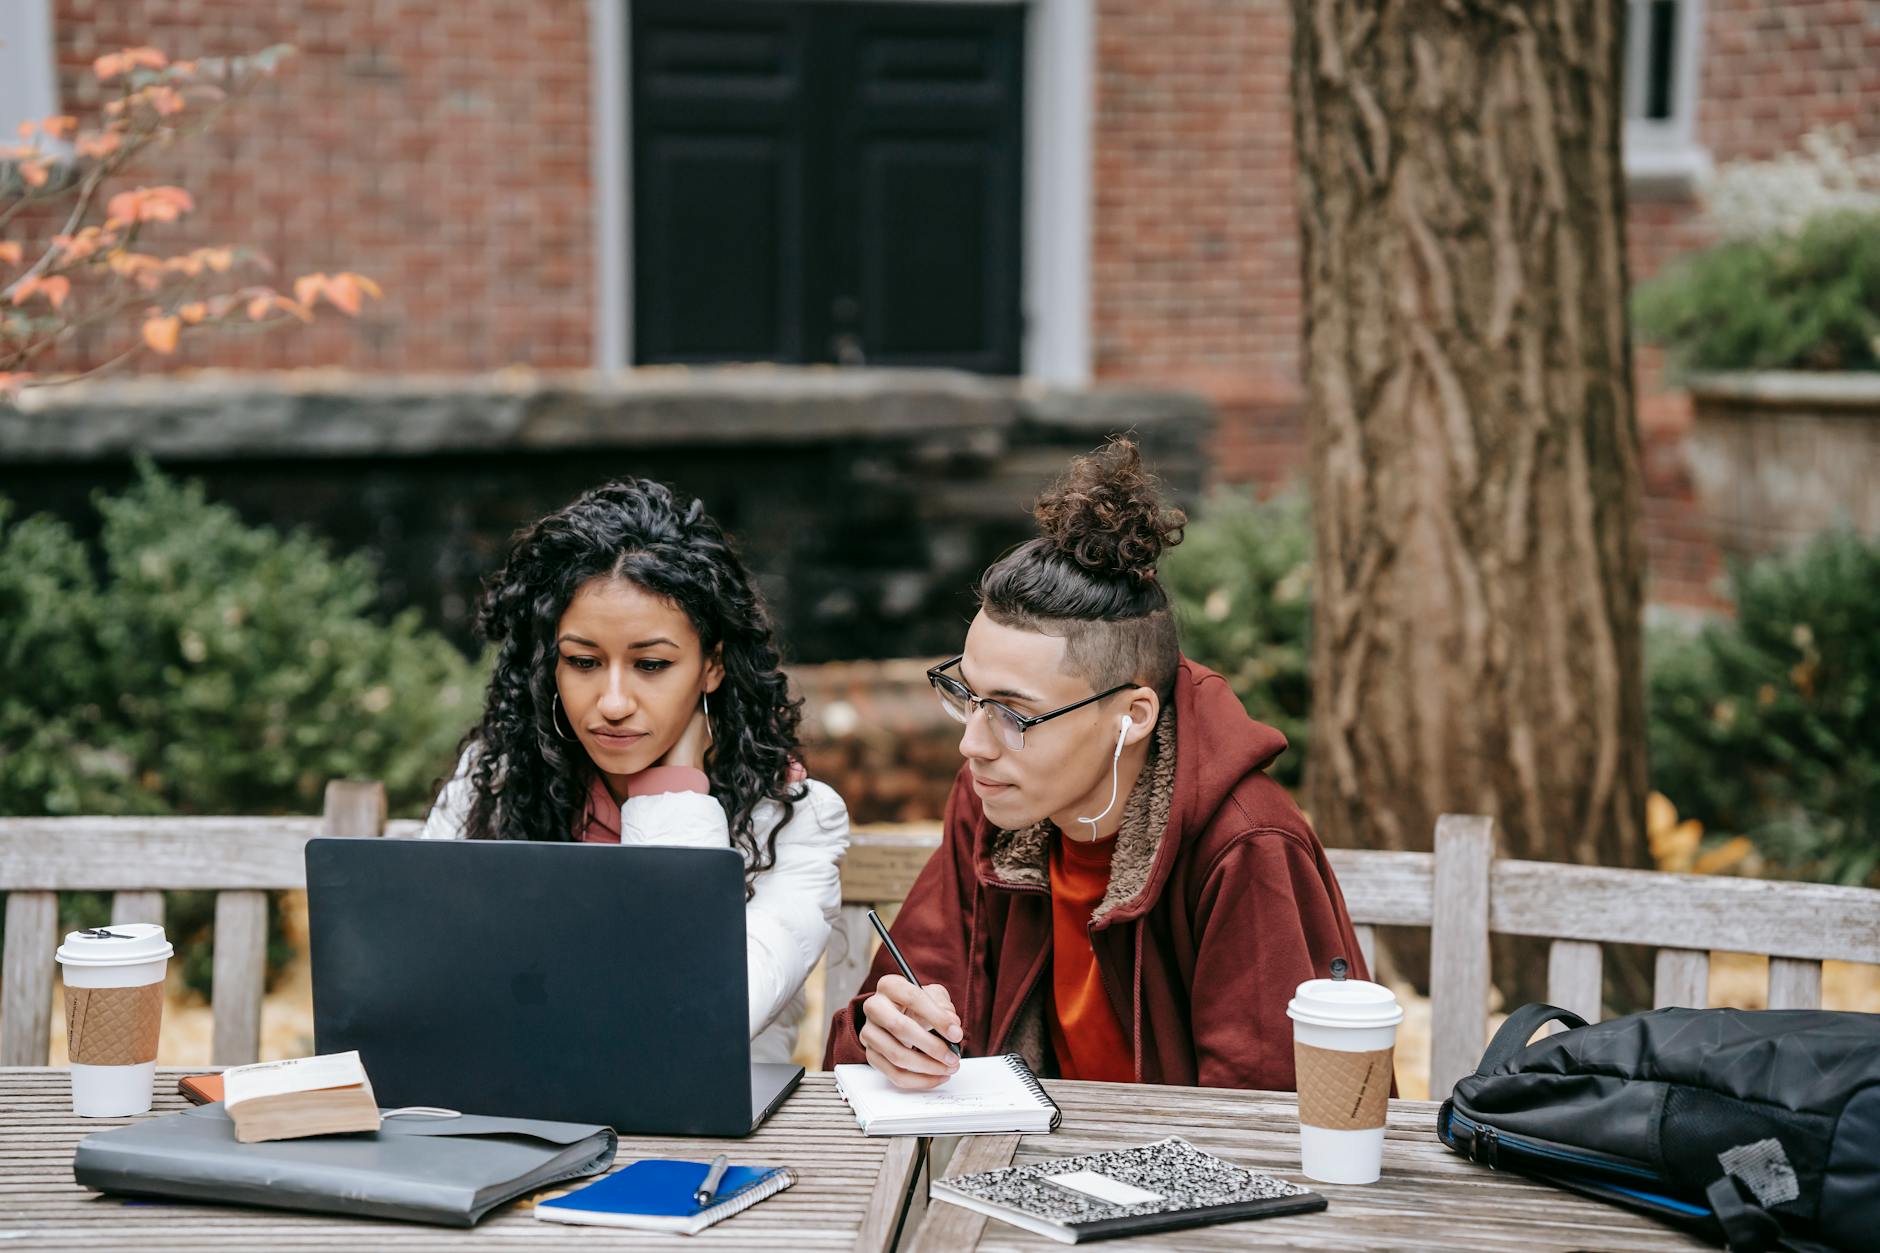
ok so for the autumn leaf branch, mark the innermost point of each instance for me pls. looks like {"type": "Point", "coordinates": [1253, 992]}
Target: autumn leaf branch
{"type": "Point", "coordinates": [91, 271]}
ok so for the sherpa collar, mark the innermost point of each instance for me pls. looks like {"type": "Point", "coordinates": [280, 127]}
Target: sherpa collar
{"type": "Point", "coordinates": [1022, 858]}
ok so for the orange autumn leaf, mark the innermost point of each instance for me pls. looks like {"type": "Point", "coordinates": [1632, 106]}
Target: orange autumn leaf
{"type": "Point", "coordinates": [262, 301]}
{"type": "Point", "coordinates": [167, 101]}
{"type": "Point", "coordinates": [345, 291]}
{"type": "Point", "coordinates": [85, 244]}
{"type": "Point", "coordinates": [134, 264]}
{"type": "Point", "coordinates": [35, 173]}
{"type": "Point", "coordinates": [10, 251]}
{"type": "Point", "coordinates": [62, 127]}
{"type": "Point", "coordinates": [193, 312]}
{"type": "Point", "coordinates": [55, 288]}
{"type": "Point", "coordinates": [307, 288]}
{"type": "Point", "coordinates": [98, 145]}
{"type": "Point", "coordinates": [161, 333]}
{"type": "Point", "coordinates": [148, 204]}
{"type": "Point", "coordinates": [342, 291]}
{"type": "Point", "coordinates": [1731, 855]}
{"type": "Point", "coordinates": [112, 64]}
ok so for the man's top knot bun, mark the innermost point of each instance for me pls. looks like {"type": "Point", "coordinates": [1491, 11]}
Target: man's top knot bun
{"type": "Point", "coordinates": [1104, 515]}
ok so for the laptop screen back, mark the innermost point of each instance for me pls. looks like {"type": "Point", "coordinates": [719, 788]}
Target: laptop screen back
{"type": "Point", "coordinates": [583, 982]}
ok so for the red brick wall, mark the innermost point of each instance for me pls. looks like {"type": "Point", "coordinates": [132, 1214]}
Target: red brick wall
{"type": "Point", "coordinates": [443, 148]}
{"type": "Point", "coordinates": [1195, 275]}
{"type": "Point", "coordinates": [439, 146]}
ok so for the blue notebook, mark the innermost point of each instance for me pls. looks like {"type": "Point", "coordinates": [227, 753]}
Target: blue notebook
{"type": "Point", "coordinates": [656, 1195]}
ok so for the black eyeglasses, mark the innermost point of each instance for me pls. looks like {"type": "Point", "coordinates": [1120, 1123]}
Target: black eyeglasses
{"type": "Point", "coordinates": [960, 701]}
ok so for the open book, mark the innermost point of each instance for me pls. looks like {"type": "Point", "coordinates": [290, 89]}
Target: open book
{"type": "Point", "coordinates": [302, 1096]}
{"type": "Point", "coordinates": [986, 1094]}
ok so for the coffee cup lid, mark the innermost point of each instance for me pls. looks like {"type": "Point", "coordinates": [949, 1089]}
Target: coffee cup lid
{"type": "Point", "coordinates": [1341, 1002]}
{"type": "Point", "coordinates": [122, 944]}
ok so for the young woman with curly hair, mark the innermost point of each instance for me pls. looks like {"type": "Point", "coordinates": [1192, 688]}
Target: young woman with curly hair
{"type": "Point", "coordinates": [1121, 893]}
{"type": "Point", "coordinates": [637, 699]}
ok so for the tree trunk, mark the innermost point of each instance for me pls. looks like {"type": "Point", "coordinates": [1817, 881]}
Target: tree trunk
{"type": "Point", "coordinates": [1475, 465]}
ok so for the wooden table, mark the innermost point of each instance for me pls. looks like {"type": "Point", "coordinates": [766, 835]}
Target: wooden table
{"type": "Point", "coordinates": [1429, 1196]}
{"type": "Point", "coordinates": [849, 1195]}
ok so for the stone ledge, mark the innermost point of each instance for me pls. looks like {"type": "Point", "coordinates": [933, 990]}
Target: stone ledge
{"type": "Point", "coordinates": [1851, 391]}
{"type": "Point", "coordinates": [216, 415]}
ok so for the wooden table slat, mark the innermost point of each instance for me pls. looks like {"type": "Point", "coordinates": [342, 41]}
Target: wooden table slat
{"type": "Point", "coordinates": [852, 1188]}
{"type": "Point", "coordinates": [1429, 1197]}
{"type": "Point", "coordinates": [849, 1194]}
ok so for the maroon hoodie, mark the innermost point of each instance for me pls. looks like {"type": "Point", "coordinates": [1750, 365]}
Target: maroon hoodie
{"type": "Point", "coordinates": [1214, 914]}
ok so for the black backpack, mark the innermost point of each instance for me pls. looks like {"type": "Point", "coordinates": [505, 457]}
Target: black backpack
{"type": "Point", "coordinates": [1755, 1128]}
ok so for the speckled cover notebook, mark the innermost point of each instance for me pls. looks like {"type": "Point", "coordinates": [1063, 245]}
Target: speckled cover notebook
{"type": "Point", "coordinates": [1163, 1186]}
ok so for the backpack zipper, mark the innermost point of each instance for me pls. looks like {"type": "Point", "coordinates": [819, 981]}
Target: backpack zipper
{"type": "Point", "coordinates": [1486, 1144]}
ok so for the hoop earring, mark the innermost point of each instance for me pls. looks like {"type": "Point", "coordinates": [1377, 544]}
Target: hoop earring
{"type": "Point", "coordinates": [555, 709]}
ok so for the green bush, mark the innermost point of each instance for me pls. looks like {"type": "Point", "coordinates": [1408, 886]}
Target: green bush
{"type": "Point", "coordinates": [190, 664]}
{"type": "Point", "coordinates": [1242, 585]}
{"type": "Point", "coordinates": [1807, 301]}
{"type": "Point", "coordinates": [1769, 725]}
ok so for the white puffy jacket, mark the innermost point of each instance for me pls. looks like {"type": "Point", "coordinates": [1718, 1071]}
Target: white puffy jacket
{"type": "Point", "coordinates": [794, 903]}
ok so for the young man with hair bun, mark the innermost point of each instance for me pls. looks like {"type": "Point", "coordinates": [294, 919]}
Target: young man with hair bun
{"type": "Point", "coordinates": [1121, 892]}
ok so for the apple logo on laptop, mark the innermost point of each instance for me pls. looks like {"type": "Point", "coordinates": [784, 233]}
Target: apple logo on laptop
{"type": "Point", "coordinates": [529, 988]}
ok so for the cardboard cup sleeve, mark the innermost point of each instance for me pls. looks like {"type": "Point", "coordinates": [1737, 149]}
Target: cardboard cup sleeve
{"type": "Point", "coordinates": [1342, 1091]}
{"type": "Point", "coordinates": [113, 1026]}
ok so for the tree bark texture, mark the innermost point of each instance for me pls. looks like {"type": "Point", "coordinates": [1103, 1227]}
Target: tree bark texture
{"type": "Point", "coordinates": [1475, 463]}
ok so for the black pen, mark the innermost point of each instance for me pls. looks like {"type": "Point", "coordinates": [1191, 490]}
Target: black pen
{"type": "Point", "coordinates": [713, 1177]}
{"type": "Point", "coordinates": [907, 972]}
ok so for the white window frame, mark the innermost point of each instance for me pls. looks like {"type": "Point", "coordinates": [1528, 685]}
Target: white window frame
{"type": "Point", "coordinates": [29, 89]}
{"type": "Point", "coordinates": [1060, 44]}
{"type": "Point", "coordinates": [1665, 151]}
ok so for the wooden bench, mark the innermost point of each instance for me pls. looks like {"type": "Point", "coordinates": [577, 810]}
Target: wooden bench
{"type": "Point", "coordinates": [242, 859]}
{"type": "Point", "coordinates": [1684, 917]}
{"type": "Point", "coordinates": [137, 859]}
{"type": "Point", "coordinates": [1577, 907]}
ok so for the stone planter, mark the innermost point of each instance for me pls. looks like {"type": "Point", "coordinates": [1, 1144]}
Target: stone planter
{"type": "Point", "coordinates": [1779, 457]}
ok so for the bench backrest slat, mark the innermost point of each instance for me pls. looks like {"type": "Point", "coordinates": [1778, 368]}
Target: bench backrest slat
{"type": "Point", "coordinates": [1578, 908]}
{"type": "Point", "coordinates": [137, 860]}
{"type": "Point", "coordinates": [1713, 912]}
{"type": "Point", "coordinates": [32, 936]}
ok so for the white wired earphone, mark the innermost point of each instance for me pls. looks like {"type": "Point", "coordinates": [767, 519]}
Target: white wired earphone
{"type": "Point", "coordinates": [1115, 757]}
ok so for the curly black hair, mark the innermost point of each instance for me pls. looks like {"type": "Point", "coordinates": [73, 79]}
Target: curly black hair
{"type": "Point", "coordinates": [529, 783]}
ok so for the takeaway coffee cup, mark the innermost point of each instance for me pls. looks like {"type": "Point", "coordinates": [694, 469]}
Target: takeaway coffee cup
{"type": "Point", "coordinates": [1343, 1033]}
{"type": "Point", "coordinates": [113, 1010]}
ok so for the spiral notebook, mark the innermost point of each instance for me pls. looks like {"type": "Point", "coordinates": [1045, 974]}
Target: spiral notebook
{"type": "Point", "coordinates": [986, 1094]}
{"type": "Point", "coordinates": [1165, 1186]}
{"type": "Point", "coordinates": [656, 1195]}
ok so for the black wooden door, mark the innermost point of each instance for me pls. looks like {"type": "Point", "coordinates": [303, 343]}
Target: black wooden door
{"type": "Point", "coordinates": [827, 182]}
